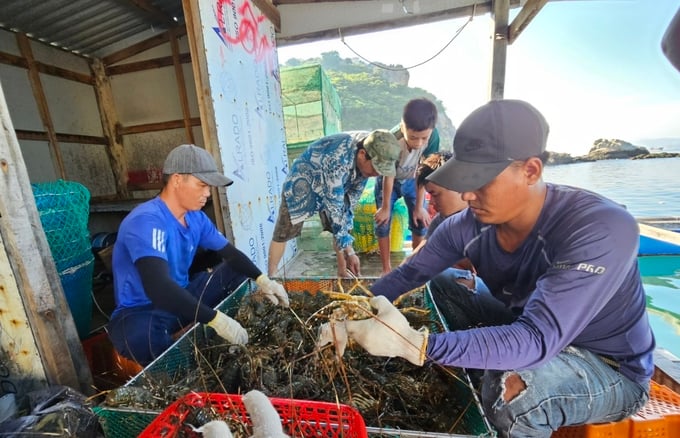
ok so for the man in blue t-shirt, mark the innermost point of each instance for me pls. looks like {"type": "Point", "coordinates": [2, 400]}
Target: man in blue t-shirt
{"type": "Point", "coordinates": [156, 244]}
{"type": "Point", "coordinates": [572, 343]}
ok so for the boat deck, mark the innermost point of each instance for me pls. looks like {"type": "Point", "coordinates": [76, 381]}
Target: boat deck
{"type": "Point", "coordinates": [666, 223]}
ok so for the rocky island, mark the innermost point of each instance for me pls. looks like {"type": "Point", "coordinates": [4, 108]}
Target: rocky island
{"type": "Point", "coordinates": [608, 149]}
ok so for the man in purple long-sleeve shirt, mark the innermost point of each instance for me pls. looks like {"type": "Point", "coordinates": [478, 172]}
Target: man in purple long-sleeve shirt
{"type": "Point", "coordinates": [573, 344]}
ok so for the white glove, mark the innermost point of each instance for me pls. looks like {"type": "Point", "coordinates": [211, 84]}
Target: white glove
{"type": "Point", "coordinates": [272, 290]}
{"type": "Point", "coordinates": [388, 333]}
{"type": "Point", "coordinates": [265, 419]}
{"type": "Point", "coordinates": [228, 329]}
{"type": "Point", "coordinates": [214, 429]}
{"type": "Point", "coordinates": [335, 333]}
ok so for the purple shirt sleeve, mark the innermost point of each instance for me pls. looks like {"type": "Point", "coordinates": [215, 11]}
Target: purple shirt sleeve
{"type": "Point", "coordinates": [574, 279]}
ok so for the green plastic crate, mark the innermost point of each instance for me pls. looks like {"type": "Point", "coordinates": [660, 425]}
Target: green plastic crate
{"type": "Point", "coordinates": [183, 356]}
{"type": "Point", "coordinates": [124, 422]}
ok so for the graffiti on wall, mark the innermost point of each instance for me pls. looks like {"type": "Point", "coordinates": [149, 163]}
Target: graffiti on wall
{"type": "Point", "coordinates": [240, 45]}
{"type": "Point", "coordinates": [246, 32]}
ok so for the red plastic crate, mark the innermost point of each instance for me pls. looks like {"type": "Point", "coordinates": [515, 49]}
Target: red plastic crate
{"type": "Point", "coordinates": [300, 418]}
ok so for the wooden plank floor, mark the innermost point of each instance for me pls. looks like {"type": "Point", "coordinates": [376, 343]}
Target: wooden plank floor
{"type": "Point", "coordinates": [315, 257]}
{"type": "Point", "coordinates": [308, 263]}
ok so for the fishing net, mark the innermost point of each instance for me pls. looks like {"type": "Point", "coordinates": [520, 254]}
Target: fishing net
{"type": "Point", "coordinates": [64, 208]}
{"type": "Point", "coordinates": [280, 361]}
{"type": "Point", "coordinates": [311, 106]}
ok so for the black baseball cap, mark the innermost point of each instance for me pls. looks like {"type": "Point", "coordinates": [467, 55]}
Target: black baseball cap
{"type": "Point", "coordinates": [488, 140]}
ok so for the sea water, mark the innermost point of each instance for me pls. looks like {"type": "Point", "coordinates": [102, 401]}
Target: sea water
{"type": "Point", "coordinates": [661, 279]}
{"type": "Point", "coordinates": [648, 188]}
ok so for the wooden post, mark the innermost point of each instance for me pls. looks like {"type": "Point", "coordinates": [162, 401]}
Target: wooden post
{"type": "Point", "coordinates": [18, 363]}
{"type": "Point", "coordinates": [39, 95]}
{"type": "Point", "coordinates": [181, 85]}
{"type": "Point", "coordinates": [206, 110]}
{"type": "Point", "coordinates": [109, 119]}
{"type": "Point", "coordinates": [36, 326]}
{"type": "Point", "coordinates": [529, 11]}
{"type": "Point", "coordinates": [499, 12]}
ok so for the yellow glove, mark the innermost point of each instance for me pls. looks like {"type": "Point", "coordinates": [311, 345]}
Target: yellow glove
{"type": "Point", "coordinates": [228, 329]}
{"type": "Point", "coordinates": [272, 290]}
{"type": "Point", "coordinates": [388, 333]}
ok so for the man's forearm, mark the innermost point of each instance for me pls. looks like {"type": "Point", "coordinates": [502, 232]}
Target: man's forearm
{"type": "Point", "coordinates": [420, 196]}
{"type": "Point", "coordinates": [388, 186]}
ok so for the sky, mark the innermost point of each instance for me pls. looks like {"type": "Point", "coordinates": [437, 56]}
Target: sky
{"type": "Point", "coordinates": [594, 68]}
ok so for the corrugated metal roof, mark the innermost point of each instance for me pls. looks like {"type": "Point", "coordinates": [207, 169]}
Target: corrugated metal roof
{"type": "Point", "coordinates": [88, 27]}
{"type": "Point", "coordinates": [97, 28]}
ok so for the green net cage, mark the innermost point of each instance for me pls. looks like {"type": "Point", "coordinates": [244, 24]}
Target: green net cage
{"type": "Point", "coordinates": [64, 208]}
{"type": "Point", "coordinates": [311, 106]}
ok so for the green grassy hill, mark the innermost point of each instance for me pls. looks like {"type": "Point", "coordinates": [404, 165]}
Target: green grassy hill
{"type": "Point", "coordinates": [373, 96]}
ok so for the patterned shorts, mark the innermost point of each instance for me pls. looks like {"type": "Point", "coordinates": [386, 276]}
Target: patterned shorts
{"type": "Point", "coordinates": [284, 230]}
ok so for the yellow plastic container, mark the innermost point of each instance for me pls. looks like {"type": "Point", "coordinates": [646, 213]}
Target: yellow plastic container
{"type": "Point", "coordinates": [364, 224]}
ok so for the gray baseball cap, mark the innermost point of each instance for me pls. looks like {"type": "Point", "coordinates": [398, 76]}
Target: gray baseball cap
{"type": "Point", "coordinates": [192, 160]}
{"type": "Point", "coordinates": [383, 148]}
{"type": "Point", "coordinates": [488, 140]}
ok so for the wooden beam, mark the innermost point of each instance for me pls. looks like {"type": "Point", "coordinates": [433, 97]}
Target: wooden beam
{"type": "Point", "coordinates": [499, 13]}
{"type": "Point", "coordinates": [39, 94]}
{"type": "Point", "coordinates": [181, 86]}
{"type": "Point", "coordinates": [18, 362]}
{"type": "Point", "coordinates": [205, 106]}
{"type": "Point", "coordinates": [361, 29]}
{"type": "Point", "coordinates": [269, 11]}
{"type": "Point", "coordinates": [28, 269]}
{"type": "Point", "coordinates": [64, 73]}
{"type": "Point", "coordinates": [23, 134]}
{"type": "Point", "coordinates": [9, 59]}
{"type": "Point", "coordinates": [142, 46]}
{"type": "Point", "coordinates": [18, 61]}
{"type": "Point", "coordinates": [153, 127]}
{"type": "Point", "coordinates": [145, 186]}
{"type": "Point", "coordinates": [148, 64]}
{"type": "Point", "coordinates": [522, 20]}
{"type": "Point", "coordinates": [109, 120]}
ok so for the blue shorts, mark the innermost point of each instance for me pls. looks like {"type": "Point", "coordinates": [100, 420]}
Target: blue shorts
{"type": "Point", "coordinates": [574, 387]}
{"type": "Point", "coordinates": [405, 189]}
{"type": "Point", "coordinates": [143, 333]}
